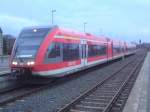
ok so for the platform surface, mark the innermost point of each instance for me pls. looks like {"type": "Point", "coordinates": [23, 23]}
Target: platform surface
{"type": "Point", "coordinates": [139, 98]}
{"type": "Point", "coordinates": [4, 65]}
{"type": "Point", "coordinates": [4, 72]}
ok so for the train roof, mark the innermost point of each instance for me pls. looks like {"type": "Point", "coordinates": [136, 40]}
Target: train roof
{"type": "Point", "coordinates": [77, 34]}
{"type": "Point", "coordinates": [70, 32]}
{"type": "Point", "coordinates": [32, 27]}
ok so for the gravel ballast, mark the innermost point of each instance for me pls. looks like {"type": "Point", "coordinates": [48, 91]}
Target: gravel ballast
{"type": "Point", "coordinates": [56, 96]}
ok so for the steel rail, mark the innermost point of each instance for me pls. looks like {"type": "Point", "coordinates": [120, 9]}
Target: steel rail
{"type": "Point", "coordinates": [86, 93]}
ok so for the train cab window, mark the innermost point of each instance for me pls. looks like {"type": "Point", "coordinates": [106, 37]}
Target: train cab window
{"type": "Point", "coordinates": [54, 54]}
{"type": "Point", "coordinates": [70, 51]}
{"type": "Point", "coordinates": [29, 41]}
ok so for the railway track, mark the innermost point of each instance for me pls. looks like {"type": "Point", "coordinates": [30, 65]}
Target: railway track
{"type": "Point", "coordinates": [110, 94]}
{"type": "Point", "coordinates": [13, 91]}
{"type": "Point", "coordinates": [4, 78]}
{"type": "Point", "coordinates": [7, 84]}
{"type": "Point", "coordinates": [19, 92]}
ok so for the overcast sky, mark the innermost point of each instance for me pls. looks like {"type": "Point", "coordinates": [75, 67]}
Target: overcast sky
{"type": "Point", "coordinates": [120, 19]}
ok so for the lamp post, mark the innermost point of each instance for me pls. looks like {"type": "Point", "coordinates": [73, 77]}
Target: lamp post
{"type": "Point", "coordinates": [84, 26]}
{"type": "Point", "coordinates": [100, 31]}
{"type": "Point", "coordinates": [1, 41]}
{"type": "Point", "coordinates": [53, 15]}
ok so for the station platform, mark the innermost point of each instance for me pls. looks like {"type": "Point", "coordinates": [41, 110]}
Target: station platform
{"type": "Point", "coordinates": [4, 70]}
{"type": "Point", "coordinates": [4, 65]}
{"type": "Point", "coordinates": [139, 98]}
{"type": "Point", "coordinates": [4, 61]}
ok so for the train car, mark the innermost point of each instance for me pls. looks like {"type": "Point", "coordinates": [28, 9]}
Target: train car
{"type": "Point", "coordinates": [56, 52]}
{"type": "Point", "coordinates": [131, 48]}
{"type": "Point", "coordinates": [117, 49]}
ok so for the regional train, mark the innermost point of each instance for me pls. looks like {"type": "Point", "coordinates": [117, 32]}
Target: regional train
{"type": "Point", "coordinates": [55, 52]}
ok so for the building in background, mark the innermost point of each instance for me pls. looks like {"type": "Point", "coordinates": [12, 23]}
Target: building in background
{"type": "Point", "coordinates": [8, 42]}
{"type": "Point", "coordinates": [1, 42]}
{"type": "Point", "coordinates": [145, 45]}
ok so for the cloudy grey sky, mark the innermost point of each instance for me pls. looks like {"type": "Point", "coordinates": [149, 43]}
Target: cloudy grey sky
{"type": "Point", "coordinates": [120, 19]}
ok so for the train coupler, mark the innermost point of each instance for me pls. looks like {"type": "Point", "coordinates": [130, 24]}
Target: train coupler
{"type": "Point", "coordinates": [21, 72]}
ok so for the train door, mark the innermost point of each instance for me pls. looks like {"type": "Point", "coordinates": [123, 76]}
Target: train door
{"type": "Point", "coordinates": [84, 50]}
{"type": "Point", "coordinates": [109, 50]}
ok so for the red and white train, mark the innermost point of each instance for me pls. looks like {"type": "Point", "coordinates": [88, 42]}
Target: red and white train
{"type": "Point", "coordinates": [56, 52]}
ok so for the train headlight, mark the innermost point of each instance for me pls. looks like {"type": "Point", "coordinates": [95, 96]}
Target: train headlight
{"type": "Point", "coordinates": [30, 63]}
{"type": "Point", "coordinates": [14, 63]}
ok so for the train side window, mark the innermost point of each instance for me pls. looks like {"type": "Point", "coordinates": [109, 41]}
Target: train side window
{"type": "Point", "coordinates": [54, 50]}
{"type": "Point", "coordinates": [70, 51]}
{"type": "Point", "coordinates": [53, 54]}
{"type": "Point", "coordinates": [102, 49]}
{"type": "Point", "coordinates": [116, 49]}
{"type": "Point", "coordinates": [96, 50]}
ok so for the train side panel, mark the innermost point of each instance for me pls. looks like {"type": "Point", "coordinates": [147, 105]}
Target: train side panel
{"type": "Point", "coordinates": [64, 52]}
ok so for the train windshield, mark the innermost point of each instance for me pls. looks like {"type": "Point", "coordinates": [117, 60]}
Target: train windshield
{"type": "Point", "coordinates": [29, 42]}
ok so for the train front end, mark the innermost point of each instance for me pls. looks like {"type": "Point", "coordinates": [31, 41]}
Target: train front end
{"type": "Point", "coordinates": [23, 57]}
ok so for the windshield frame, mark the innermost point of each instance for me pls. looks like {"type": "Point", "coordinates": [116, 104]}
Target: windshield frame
{"type": "Point", "coordinates": [32, 55]}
